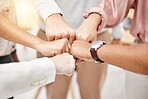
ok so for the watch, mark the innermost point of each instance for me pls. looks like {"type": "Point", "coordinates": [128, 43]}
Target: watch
{"type": "Point", "coordinates": [93, 50]}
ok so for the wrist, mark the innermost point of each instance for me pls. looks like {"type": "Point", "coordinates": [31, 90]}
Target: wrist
{"type": "Point", "coordinates": [54, 17]}
{"type": "Point", "coordinates": [39, 45]}
{"type": "Point", "coordinates": [101, 51]}
{"type": "Point", "coordinates": [94, 20]}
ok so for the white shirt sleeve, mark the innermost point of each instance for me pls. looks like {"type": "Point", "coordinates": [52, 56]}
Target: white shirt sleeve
{"type": "Point", "coordinates": [46, 8]}
{"type": "Point", "coordinates": [16, 78]}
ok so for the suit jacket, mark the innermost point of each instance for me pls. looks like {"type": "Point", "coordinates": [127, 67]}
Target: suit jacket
{"type": "Point", "coordinates": [16, 78]}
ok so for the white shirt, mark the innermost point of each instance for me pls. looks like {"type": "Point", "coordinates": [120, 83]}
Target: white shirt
{"type": "Point", "coordinates": [16, 78]}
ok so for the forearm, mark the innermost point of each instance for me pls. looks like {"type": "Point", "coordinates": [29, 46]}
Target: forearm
{"type": "Point", "coordinates": [95, 19]}
{"type": "Point", "coordinates": [88, 29]}
{"type": "Point", "coordinates": [51, 19]}
{"type": "Point", "coordinates": [133, 58]}
{"type": "Point", "coordinates": [112, 12]}
{"type": "Point", "coordinates": [31, 74]}
{"type": "Point", "coordinates": [13, 33]}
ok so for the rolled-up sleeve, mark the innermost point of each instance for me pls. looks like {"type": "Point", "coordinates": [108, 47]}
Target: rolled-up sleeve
{"type": "Point", "coordinates": [112, 12]}
{"type": "Point", "coordinates": [46, 8]}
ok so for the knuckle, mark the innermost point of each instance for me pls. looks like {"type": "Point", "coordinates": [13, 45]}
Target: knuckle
{"type": "Point", "coordinates": [78, 34]}
{"type": "Point", "coordinates": [59, 51]}
{"type": "Point", "coordinates": [77, 37]}
{"type": "Point", "coordinates": [62, 34]}
{"type": "Point", "coordinates": [50, 34]}
{"type": "Point", "coordinates": [65, 32]}
{"type": "Point", "coordinates": [65, 40]}
{"type": "Point", "coordinates": [84, 38]}
{"type": "Point", "coordinates": [73, 34]}
{"type": "Point", "coordinates": [72, 31]}
{"type": "Point", "coordinates": [58, 36]}
{"type": "Point", "coordinates": [66, 35]}
{"type": "Point", "coordinates": [74, 43]}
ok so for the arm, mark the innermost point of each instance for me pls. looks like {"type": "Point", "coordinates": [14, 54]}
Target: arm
{"type": "Point", "coordinates": [110, 14]}
{"type": "Point", "coordinates": [16, 78]}
{"type": "Point", "coordinates": [133, 58]}
{"type": "Point", "coordinates": [56, 28]}
{"type": "Point", "coordinates": [13, 33]}
{"type": "Point", "coordinates": [88, 30]}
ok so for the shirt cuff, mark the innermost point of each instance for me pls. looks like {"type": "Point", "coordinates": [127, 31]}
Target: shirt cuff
{"type": "Point", "coordinates": [100, 12]}
{"type": "Point", "coordinates": [48, 8]}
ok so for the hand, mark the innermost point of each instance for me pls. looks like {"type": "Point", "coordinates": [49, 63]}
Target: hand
{"type": "Point", "coordinates": [65, 64]}
{"type": "Point", "coordinates": [56, 29]}
{"type": "Point", "coordinates": [80, 50]}
{"type": "Point", "coordinates": [53, 48]}
{"type": "Point", "coordinates": [88, 30]}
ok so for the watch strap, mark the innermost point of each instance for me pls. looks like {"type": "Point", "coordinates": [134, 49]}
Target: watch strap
{"type": "Point", "coordinates": [95, 56]}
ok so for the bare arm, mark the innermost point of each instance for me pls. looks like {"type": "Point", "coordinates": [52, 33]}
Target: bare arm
{"type": "Point", "coordinates": [13, 33]}
{"type": "Point", "coordinates": [56, 27]}
{"type": "Point", "coordinates": [133, 58]}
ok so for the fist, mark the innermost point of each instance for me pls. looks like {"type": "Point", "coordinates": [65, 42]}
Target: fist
{"type": "Point", "coordinates": [86, 33]}
{"type": "Point", "coordinates": [64, 63]}
{"type": "Point", "coordinates": [56, 28]}
{"type": "Point", "coordinates": [80, 50]}
{"type": "Point", "coordinates": [53, 48]}
{"type": "Point", "coordinates": [88, 30]}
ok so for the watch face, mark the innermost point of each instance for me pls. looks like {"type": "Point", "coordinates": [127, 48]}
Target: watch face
{"type": "Point", "coordinates": [96, 44]}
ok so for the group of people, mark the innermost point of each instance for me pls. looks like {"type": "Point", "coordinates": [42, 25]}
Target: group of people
{"type": "Point", "coordinates": [68, 39]}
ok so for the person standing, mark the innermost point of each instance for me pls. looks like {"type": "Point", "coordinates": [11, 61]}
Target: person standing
{"type": "Point", "coordinates": [11, 32]}
{"type": "Point", "coordinates": [19, 77]}
{"type": "Point", "coordinates": [7, 47]}
{"type": "Point", "coordinates": [134, 58]}
{"type": "Point", "coordinates": [72, 14]}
